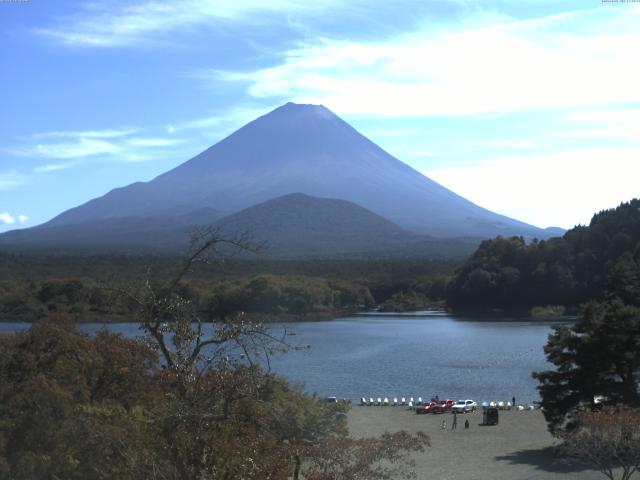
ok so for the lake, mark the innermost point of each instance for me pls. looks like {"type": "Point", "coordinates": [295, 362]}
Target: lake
{"type": "Point", "coordinates": [395, 355]}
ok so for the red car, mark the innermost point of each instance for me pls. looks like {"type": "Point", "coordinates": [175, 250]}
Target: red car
{"type": "Point", "coordinates": [426, 408]}
{"type": "Point", "coordinates": [444, 406]}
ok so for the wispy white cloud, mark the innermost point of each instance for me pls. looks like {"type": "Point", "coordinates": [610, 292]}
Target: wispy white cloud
{"type": "Point", "coordinates": [83, 147]}
{"type": "Point", "coordinates": [103, 24]}
{"type": "Point", "coordinates": [154, 142]}
{"type": "Point", "coordinates": [232, 118]}
{"type": "Point", "coordinates": [73, 144]}
{"type": "Point", "coordinates": [7, 218]}
{"type": "Point", "coordinates": [616, 124]}
{"type": "Point", "coordinates": [608, 116]}
{"type": "Point", "coordinates": [77, 147]}
{"type": "Point", "coordinates": [508, 144]}
{"type": "Point", "coordinates": [560, 188]}
{"type": "Point", "coordinates": [53, 167]}
{"type": "Point", "coordinates": [197, 123]}
{"type": "Point", "coordinates": [106, 133]}
{"type": "Point", "coordinates": [135, 156]}
{"type": "Point", "coordinates": [11, 179]}
{"type": "Point", "coordinates": [22, 219]}
{"type": "Point", "coordinates": [572, 59]}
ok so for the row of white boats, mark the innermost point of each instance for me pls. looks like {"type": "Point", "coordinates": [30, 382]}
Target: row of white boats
{"type": "Point", "coordinates": [507, 406]}
{"type": "Point", "coordinates": [411, 402]}
{"type": "Point", "coordinates": [385, 402]}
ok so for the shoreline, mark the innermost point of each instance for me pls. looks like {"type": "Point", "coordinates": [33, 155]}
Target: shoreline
{"type": "Point", "coordinates": [284, 318]}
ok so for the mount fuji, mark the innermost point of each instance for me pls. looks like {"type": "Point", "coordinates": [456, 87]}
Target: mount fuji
{"type": "Point", "coordinates": [295, 148]}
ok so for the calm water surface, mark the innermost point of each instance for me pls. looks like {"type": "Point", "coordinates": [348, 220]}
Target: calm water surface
{"type": "Point", "coordinates": [401, 355]}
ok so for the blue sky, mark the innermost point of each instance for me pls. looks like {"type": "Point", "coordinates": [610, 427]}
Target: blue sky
{"type": "Point", "coordinates": [530, 108]}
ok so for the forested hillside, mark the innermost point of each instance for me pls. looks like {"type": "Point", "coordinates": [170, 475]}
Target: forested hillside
{"type": "Point", "coordinates": [87, 288]}
{"type": "Point", "coordinates": [587, 263]}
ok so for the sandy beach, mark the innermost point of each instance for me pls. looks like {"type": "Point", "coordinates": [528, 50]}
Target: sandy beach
{"type": "Point", "coordinates": [518, 448]}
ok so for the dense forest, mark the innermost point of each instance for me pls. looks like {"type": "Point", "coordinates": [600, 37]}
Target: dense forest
{"type": "Point", "coordinates": [588, 263]}
{"type": "Point", "coordinates": [87, 288]}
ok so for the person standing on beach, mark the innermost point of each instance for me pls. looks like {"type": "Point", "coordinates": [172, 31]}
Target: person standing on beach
{"type": "Point", "coordinates": [454, 424]}
{"type": "Point", "coordinates": [513, 402]}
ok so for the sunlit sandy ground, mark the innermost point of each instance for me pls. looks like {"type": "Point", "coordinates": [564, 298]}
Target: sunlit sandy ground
{"type": "Point", "coordinates": [518, 448]}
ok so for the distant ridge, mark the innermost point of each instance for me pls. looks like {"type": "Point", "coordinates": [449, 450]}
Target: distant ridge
{"type": "Point", "coordinates": [294, 148]}
{"type": "Point", "coordinates": [300, 225]}
{"type": "Point", "coordinates": [291, 226]}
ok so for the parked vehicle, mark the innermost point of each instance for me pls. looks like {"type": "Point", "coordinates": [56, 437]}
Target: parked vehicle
{"type": "Point", "coordinates": [444, 406]}
{"type": "Point", "coordinates": [464, 406]}
{"type": "Point", "coordinates": [426, 408]}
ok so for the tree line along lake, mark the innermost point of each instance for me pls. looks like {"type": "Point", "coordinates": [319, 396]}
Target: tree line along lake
{"type": "Point", "coordinates": [396, 355]}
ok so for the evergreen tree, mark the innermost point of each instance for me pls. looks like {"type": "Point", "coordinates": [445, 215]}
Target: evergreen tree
{"type": "Point", "coordinates": [597, 356]}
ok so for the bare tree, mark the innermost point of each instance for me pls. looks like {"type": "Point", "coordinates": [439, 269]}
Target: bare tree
{"type": "Point", "coordinates": [186, 344]}
{"type": "Point", "coordinates": [608, 440]}
{"type": "Point", "coordinates": [212, 377]}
